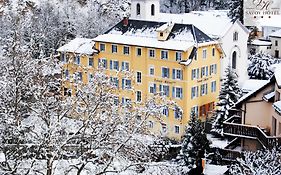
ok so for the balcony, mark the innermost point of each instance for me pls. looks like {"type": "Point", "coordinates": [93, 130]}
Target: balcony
{"type": "Point", "coordinates": [233, 127]}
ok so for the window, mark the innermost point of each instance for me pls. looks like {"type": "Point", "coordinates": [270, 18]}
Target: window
{"type": "Point", "coordinates": [164, 89]}
{"type": "Point", "coordinates": [213, 52]}
{"type": "Point", "coordinates": [116, 101]}
{"type": "Point", "coordinates": [114, 81]}
{"type": "Point", "coordinates": [164, 54]}
{"type": "Point", "coordinates": [114, 65]}
{"type": "Point", "coordinates": [91, 61]}
{"type": "Point", "coordinates": [276, 43]}
{"type": "Point", "coordinates": [177, 129]}
{"type": "Point", "coordinates": [62, 57]}
{"type": "Point", "coordinates": [178, 56]}
{"type": "Point", "coordinates": [165, 72]}
{"type": "Point", "coordinates": [103, 63]}
{"type": "Point", "coordinates": [235, 36]}
{"type": "Point", "coordinates": [195, 74]}
{"type": "Point", "coordinates": [234, 55]}
{"type": "Point", "coordinates": [66, 74]}
{"type": "Point", "coordinates": [152, 88]}
{"type": "Point", "coordinates": [90, 77]}
{"type": "Point", "coordinates": [151, 53]}
{"type": "Point", "coordinates": [165, 111]}
{"type": "Point", "coordinates": [161, 34]}
{"type": "Point", "coordinates": [79, 76]}
{"type": "Point", "coordinates": [213, 86]}
{"type": "Point", "coordinates": [204, 89]}
{"type": "Point", "coordinates": [102, 47]}
{"type": "Point", "coordinates": [77, 59]}
{"type": "Point", "coordinates": [114, 48]}
{"type": "Point", "coordinates": [164, 128]}
{"type": "Point", "coordinates": [138, 77]}
{"type": "Point", "coordinates": [204, 53]}
{"type": "Point", "coordinates": [177, 92]}
{"type": "Point", "coordinates": [177, 74]}
{"type": "Point", "coordinates": [125, 66]}
{"type": "Point", "coordinates": [276, 53]}
{"type": "Point", "coordinates": [152, 10]}
{"type": "Point", "coordinates": [213, 69]}
{"type": "Point", "coordinates": [194, 92]}
{"type": "Point", "coordinates": [126, 50]}
{"type": "Point", "coordinates": [177, 113]}
{"type": "Point", "coordinates": [138, 96]}
{"type": "Point", "coordinates": [138, 9]}
{"type": "Point", "coordinates": [150, 124]}
{"type": "Point", "coordinates": [138, 51]}
{"type": "Point", "coordinates": [126, 101]}
{"type": "Point", "coordinates": [151, 70]}
{"type": "Point", "coordinates": [126, 84]}
{"type": "Point", "coordinates": [204, 71]}
{"type": "Point", "coordinates": [194, 109]}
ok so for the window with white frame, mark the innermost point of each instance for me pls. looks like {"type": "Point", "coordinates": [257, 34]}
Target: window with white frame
{"type": "Point", "coordinates": [178, 56]}
{"type": "Point", "coordinates": [204, 53]}
{"type": "Point", "coordinates": [164, 89]}
{"type": "Point", "coordinates": [194, 109]}
{"type": "Point", "coordinates": [177, 74]}
{"type": "Point", "coordinates": [102, 47]}
{"type": "Point", "coordinates": [62, 57]}
{"type": "Point", "coordinates": [126, 101]}
{"type": "Point", "coordinates": [126, 84]}
{"type": "Point", "coordinates": [204, 71]}
{"type": "Point", "coordinates": [138, 77]}
{"type": "Point", "coordinates": [79, 76]}
{"type": "Point", "coordinates": [114, 48]}
{"type": "Point", "coordinates": [164, 54]}
{"type": "Point", "coordinates": [150, 124]}
{"type": "Point", "coordinates": [151, 70]}
{"type": "Point", "coordinates": [195, 74]}
{"type": "Point", "coordinates": [125, 66]}
{"type": "Point", "coordinates": [114, 81]}
{"type": "Point", "coordinates": [114, 65]}
{"type": "Point", "coordinates": [103, 63]}
{"type": "Point", "coordinates": [165, 72]}
{"type": "Point", "coordinates": [177, 113]}
{"type": "Point", "coordinates": [164, 127]}
{"type": "Point", "coordinates": [194, 92]}
{"type": "Point", "coordinates": [66, 74]}
{"type": "Point", "coordinates": [90, 77]}
{"type": "Point", "coordinates": [177, 92]}
{"type": "Point", "coordinates": [165, 111]}
{"type": "Point", "coordinates": [138, 51]}
{"type": "Point", "coordinates": [213, 69]}
{"type": "Point", "coordinates": [77, 59]}
{"type": "Point", "coordinates": [91, 61]}
{"type": "Point", "coordinates": [116, 101]}
{"type": "Point", "coordinates": [151, 53]}
{"type": "Point", "coordinates": [213, 86]}
{"type": "Point", "coordinates": [138, 96]}
{"type": "Point", "coordinates": [204, 89]}
{"type": "Point", "coordinates": [152, 88]}
{"type": "Point", "coordinates": [177, 129]}
{"type": "Point", "coordinates": [126, 50]}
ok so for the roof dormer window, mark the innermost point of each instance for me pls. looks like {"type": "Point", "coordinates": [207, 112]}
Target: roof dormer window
{"type": "Point", "coordinates": [138, 9]}
{"type": "Point", "coordinates": [152, 10]}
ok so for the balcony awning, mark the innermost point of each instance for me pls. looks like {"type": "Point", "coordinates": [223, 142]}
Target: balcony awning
{"type": "Point", "coordinates": [269, 97]}
{"type": "Point", "coordinates": [277, 107]}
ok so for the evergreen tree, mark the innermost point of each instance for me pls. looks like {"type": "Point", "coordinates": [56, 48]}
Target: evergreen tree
{"type": "Point", "coordinates": [260, 66]}
{"type": "Point", "coordinates": [236, 10]}
{"type": "Point", "coordinates": [195, 142]}
{"type": "Point", "coordinates": [229, 94]}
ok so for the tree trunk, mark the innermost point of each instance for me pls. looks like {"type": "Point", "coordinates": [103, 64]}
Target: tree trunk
{"type": "Point", "coordinates": [50, 166]}
{"type": "Point", "coordinates": [81, 168]}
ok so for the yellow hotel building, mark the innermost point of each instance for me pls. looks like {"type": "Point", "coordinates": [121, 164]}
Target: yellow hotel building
{"type": "Point", "coordinates": [178, 60]}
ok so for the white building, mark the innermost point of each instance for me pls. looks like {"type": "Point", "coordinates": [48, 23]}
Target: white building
{"type": "Point", "coordinates": [275, 38]}
{"type": "Point", "coordinates": [259, 45]}
{"type": "Point", "coordinates": [232, 36]}
{"type": "Point", "coordinates": [270, 25]}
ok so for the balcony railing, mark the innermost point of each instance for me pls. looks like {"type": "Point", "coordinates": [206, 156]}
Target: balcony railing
{"type": "Point", "coordinates": [233, 127]}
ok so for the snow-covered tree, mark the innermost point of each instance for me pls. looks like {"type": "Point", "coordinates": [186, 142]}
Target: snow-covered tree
{"type": "Point", "coordinates": [261, 162]}
{"type": "Point", "coordinates": [260, 66]}
{"type": "Point", "coordinates": [229, 94]}
{"type": "Point", "coordinates": [195, 143]}
{"type": "Point", "coordinates": [236, 10]}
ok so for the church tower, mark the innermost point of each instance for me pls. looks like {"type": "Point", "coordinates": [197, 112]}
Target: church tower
{"type": "Point", "coordinates": [145, 9]}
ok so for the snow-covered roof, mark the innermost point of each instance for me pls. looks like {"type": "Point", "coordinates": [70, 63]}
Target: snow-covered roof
{"type": "Point", "coordinates": [276, 34]}
{"type": "Point", "coordinates": [144, 33]}
{"type": "Point", "coordinates": [269, 96]}
{"type": "Point", "coordinates": [277, 73]}
{"type": "Point", "coordinates": [80, 46]}
{"type": "Point", "coordinates": [277, 106]}
{"type": "Point", "coordinates": [258, 42]}
{"type": "Point", "coordinates": [273, 21]}
{"type": "Point", "coordinates": [215, 23]}
{"type": "Point", "coordinates": [253, 85]}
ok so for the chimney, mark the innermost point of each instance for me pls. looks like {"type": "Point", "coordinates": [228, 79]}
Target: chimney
{"type": "Point", "coordinates": [125, 21]}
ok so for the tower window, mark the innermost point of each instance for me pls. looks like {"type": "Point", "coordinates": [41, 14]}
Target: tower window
{"type": "Point", "coordinates": [152, 10]}
{"type": "Point", "coordinates": [234, 56]}
{"type": "Point", "coordinates": [138, 9]}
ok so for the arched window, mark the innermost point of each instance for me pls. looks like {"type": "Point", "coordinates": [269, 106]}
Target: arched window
{"type": "Point", "coordinates": [138, 9]}
{"type": "Point", "coordinates": [152, 10]}
{"type": "Point", "coordinates": [234, 57]}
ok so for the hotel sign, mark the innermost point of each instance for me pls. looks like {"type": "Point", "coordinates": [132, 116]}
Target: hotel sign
{"type": "Point", "coordinates": [254, 10]}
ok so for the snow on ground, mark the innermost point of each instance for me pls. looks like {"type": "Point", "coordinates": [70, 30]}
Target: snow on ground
{"type": "Point", "coordinates": [215, 169]}
{"type": "Point", "coordinates": [217, 142]}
